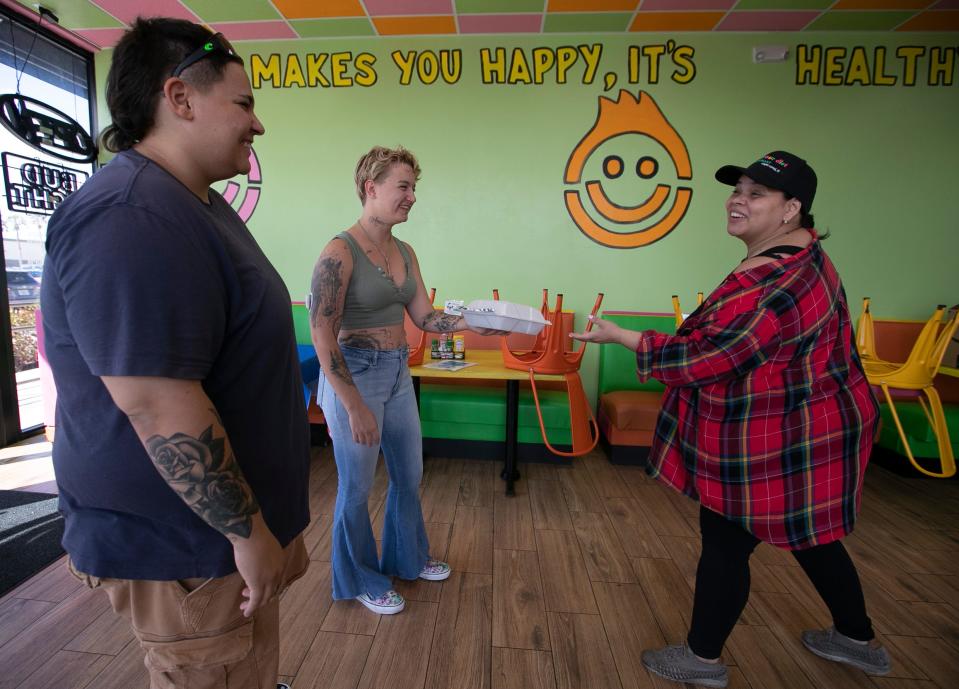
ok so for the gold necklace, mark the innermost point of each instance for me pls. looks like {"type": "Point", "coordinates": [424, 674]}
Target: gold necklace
{"type": "Point", "coordinates": [389, 273]}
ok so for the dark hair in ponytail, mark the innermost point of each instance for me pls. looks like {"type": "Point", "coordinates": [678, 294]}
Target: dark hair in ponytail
{"type": "Point", "coordinates": [806, 220]}
{"type": "Point", "coordinates": [142, 62]}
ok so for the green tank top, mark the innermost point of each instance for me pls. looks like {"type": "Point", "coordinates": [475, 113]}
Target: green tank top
{"type": "Point", "coordinates": [372, 298]}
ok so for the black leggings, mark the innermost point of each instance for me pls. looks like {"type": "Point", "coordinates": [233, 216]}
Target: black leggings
{"type": "Point", "coordinates": [722, 584]}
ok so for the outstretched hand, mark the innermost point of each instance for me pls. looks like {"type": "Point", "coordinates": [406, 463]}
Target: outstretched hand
{"type": "Point", "coordinates": [601, 333]}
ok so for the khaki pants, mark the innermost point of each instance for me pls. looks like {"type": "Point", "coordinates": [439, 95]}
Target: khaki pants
{"type": "Point", "coordinates": [193, 632]}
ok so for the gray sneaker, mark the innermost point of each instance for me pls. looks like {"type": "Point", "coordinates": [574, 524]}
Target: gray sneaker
{"type": "Point", "coordinates": [282, 685]}
{"type": "Point", "coordinates": [831, 645]}
{"type": "Point", "coordinates": [679, 664]}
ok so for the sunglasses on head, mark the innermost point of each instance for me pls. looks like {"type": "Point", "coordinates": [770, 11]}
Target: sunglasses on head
{"type": "Point", "coordinates": [217, 43]}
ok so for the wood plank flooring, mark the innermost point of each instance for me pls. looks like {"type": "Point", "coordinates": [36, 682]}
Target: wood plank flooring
{"type": "Point", "coordinates": [559, 587]}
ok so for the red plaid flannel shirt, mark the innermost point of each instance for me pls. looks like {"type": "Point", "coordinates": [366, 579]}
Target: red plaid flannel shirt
{"type": "Point", "coordinates": [767, 417]}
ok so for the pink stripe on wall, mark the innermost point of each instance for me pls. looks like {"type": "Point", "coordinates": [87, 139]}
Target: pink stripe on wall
{"type": "Point", "coordinates": [381, 8]}
{"type": "Point", "coordinates": [254, 31]}
{"type": "Point", "coordinates": [127, 11]}
{"type": "Point", "coordinates": [102, 38]}
{"type": "Point", "coordinates": [500, 23]}
{"type": "Point", "coordinates": [767, 21]}
{"type": "Point", "coordinates": [667, 5]}
{"type": "Point", "coordinates": [249, 204]}
{"type": "Point", "coordinates": [230, 192]}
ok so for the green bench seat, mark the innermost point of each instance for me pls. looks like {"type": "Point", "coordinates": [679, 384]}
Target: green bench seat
{"type": "Point", "coordinates": [479, 413]}
{"type": "Point", "coordinates": [921, 440]}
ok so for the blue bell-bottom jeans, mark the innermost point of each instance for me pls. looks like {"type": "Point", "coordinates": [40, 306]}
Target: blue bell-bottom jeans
{"type": "Point", "coordinates": [383, 380]}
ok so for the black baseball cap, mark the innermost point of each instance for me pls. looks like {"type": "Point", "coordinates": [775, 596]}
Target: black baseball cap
{"type": "Point", "coordinates": [777, 170]}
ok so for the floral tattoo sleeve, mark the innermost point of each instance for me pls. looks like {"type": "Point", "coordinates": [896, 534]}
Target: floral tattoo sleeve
{"type": "Point", "coordinates": [325, 288]}
{"type": "Point", "coordinates": [439, 322]}
{"type": "Point", "coordinates": [207, 479]}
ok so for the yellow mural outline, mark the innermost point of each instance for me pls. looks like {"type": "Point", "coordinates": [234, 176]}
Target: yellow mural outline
{"type": "Point", "coordinates": [626, 214]}
{"type": "Point", "coordinates": [630, 240]}
{"type": "Point", "coordinates": [628, 115]}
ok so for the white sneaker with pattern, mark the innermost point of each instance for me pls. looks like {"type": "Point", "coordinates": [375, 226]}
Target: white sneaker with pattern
{"type": "Point", "coordinates": [389, 603]}
{"type": "Point", "coordinates": [435, 570]}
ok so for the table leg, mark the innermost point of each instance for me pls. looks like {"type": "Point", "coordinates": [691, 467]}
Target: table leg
{"type": "Point", "coordinates": [510, 473]}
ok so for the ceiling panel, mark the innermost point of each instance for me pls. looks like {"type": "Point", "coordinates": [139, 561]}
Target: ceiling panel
{"type": "Point", "coordinates": [587, 22]}
{"type": "Point", "coordinates": [234, 10]}
{"type": "Point", "coordinates": [101, 21]}
{"type": "Point", "coordinates": [676, 21]}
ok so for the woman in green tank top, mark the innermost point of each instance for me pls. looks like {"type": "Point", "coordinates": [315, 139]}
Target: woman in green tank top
{"type": "Point", "coordinates": [363, 282]}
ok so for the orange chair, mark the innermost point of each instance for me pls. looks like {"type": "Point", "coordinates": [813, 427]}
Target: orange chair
{"type": "Point", "coordinates": [913, 378]}
{"type": "Point", "coordinates": [679, 312]}
{"type": "Point", "coordinates": [549, 356]}
{"type": "Point", "coordinates": [418, 352]}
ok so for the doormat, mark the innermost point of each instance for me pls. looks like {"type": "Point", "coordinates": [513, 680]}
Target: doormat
{"type": "Point", "coordinates": [30, 533]}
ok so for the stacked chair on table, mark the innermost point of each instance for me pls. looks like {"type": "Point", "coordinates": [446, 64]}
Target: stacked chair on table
{"type": "Point", "coordinates": [679, 312]}
{"type": "Point", "coordinates": [549, 355]}
{"type": "Point", "coordinates": [418, 353]}
{"type": "Point", "coordinates": [913, 379]}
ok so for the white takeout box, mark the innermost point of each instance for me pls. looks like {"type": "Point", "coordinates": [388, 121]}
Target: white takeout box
{"type": "Point", "coordinates": [504, 315]}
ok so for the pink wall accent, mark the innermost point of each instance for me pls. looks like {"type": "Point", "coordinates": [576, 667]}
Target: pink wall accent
{"type": "Point", "coordinates": [767, 21]}
{"type": "Point", "coordinates": [127, 11]}
{"type": "Point", "coordinates": [68, 35]}
{"type": "Point", "coordinates": [650, 5]}
{"type": "Point", "coordinates": [380, 8]}
{"type": "Point", "coordinates": [254, 175]}
{"type": "Point", "coordinates": [230, 192]}
{"type": "Point", "coordinates": [249, 203]}
{"type": "Point", "coordinates": [102, 38]}
{"type": "Point", "coordinates": [254, 31]}
{"type": "Point", "coordinates": [500, 23]}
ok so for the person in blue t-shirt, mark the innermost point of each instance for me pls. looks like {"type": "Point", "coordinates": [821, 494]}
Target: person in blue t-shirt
{"type": "Point", "coordinates": [182, 444]}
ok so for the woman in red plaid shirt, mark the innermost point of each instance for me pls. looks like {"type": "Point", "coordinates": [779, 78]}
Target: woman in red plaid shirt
{"type": "Point", "coordinates": [767, 420]}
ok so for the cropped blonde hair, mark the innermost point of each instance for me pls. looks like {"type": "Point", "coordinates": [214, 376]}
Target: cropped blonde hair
{"type": "Point", "coordinates": [376, 164]}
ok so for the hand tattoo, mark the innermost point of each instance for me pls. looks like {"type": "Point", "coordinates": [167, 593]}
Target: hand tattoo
{"type": "Point", "coordinates": [207, 480]}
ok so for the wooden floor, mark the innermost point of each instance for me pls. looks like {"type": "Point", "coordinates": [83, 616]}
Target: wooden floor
{"type": "Point", "coordinates": [561, 586]}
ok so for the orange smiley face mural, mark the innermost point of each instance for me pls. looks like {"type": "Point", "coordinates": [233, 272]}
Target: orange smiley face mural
{"type": "Point", "coordinates": [630, 115]}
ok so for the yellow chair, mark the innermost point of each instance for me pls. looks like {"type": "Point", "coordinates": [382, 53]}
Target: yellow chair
{"type": "Point", "coordinates": [866, 334]}
{"type": "Point", "coordinates": [679, 312]}
{"type": "Point", "coordinates": [914, 378]}
{"type": "Point", "coordinates": [924, 340]}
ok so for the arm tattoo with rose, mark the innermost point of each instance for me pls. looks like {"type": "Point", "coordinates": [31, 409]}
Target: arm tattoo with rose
{"type": "Point", "coordinates": [207, 479]}
{"type": "Point", "coordinates": [439, 322]}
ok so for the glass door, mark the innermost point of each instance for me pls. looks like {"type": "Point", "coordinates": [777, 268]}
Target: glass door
{"type": "Point", "coordinates": [34, 181]}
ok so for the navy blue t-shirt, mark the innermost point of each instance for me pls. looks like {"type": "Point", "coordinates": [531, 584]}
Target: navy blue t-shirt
{"type": "Point", "coordinates": [144, 279]}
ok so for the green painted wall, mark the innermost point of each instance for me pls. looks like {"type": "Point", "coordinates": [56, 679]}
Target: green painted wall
{"type": "Point", "coordinates": [490, 210]}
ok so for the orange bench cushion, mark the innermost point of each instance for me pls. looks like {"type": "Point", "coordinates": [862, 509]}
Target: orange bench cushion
{"type": "Point", "coordinates": [633, 410]}
{"type": "Point", "coordinates": [628, 417]}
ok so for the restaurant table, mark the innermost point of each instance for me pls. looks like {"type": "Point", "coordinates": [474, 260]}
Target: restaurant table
{"type": "Point", "coordinates": [489, 366]}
